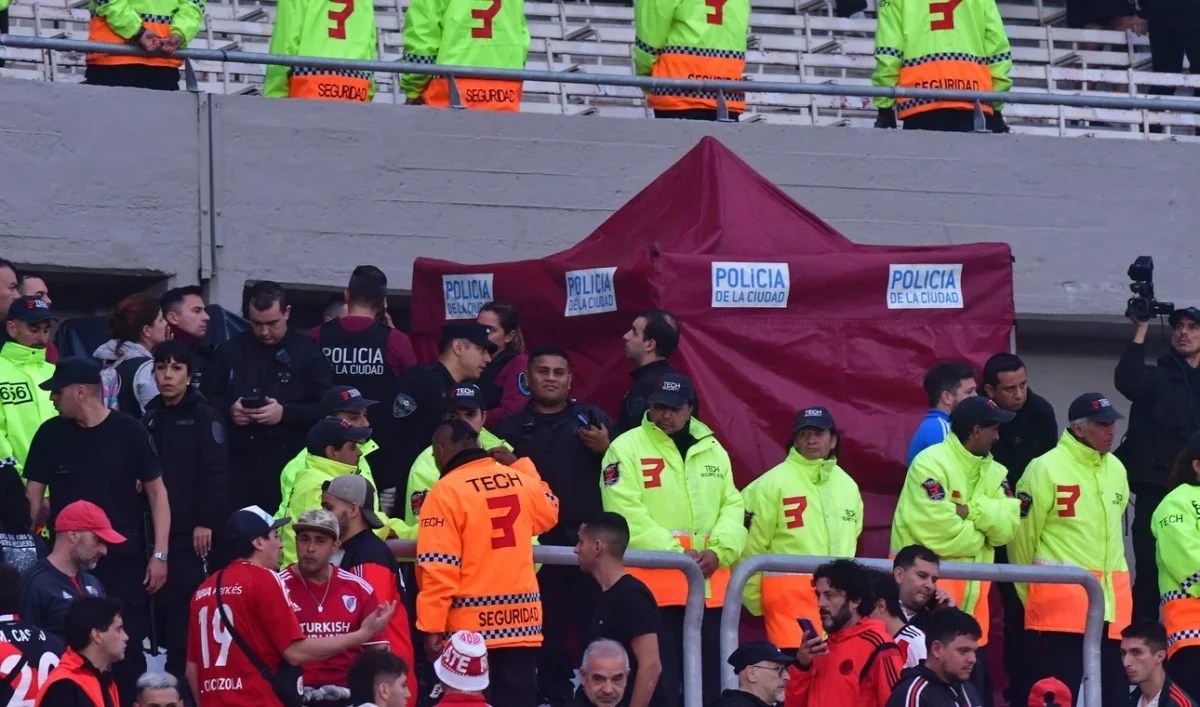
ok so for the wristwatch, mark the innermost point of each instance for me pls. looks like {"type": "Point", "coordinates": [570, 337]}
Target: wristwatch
{"type": "Point", "coordinates": [159, 556]}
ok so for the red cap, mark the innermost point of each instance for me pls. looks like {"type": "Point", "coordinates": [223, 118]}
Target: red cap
{"type": "Point", "coordinates": [85, 515]}
{"type": "Point", "coordinates": [1050, 688]}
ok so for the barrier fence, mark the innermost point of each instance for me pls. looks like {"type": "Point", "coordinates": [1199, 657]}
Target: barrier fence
{"type": "Point", "coordinates": [1088, 695]}
{"type": "Point", "coordinates": [720, 88]}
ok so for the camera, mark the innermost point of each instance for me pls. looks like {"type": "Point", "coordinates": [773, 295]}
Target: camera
{"type": "Point", "coordinates": [1142, 306]}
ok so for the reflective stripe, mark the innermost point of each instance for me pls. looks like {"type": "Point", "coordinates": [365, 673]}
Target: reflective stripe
{"type": "Point", "coordinates": [943, 70]}
{"type": "Point", "coordinates": [945, 56]}
{"type": "Point", "coordinates": [677, 62]}
{"type": "Point", "coordinates": [889, 51]}
{"type": "Point", "coordinates": [310, 71]}
{"type": "Point", "coordinates": [420, 59]}
{"type": "Point", "coordinates": [440, 557]}
{"type": "Point", "coordinates": [495, 600]}
{"type": "Point", "coordinates": [647, 48]}
{"type": "Point", "coordinates": [1180, 609]}
{"type": "Point", "coordinates": [700, 51]}
{"type": "Point", "coordinates": [514, 632]}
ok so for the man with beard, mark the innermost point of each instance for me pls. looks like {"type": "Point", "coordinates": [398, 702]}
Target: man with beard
{"type": "Point", "coordinates": [943, 678]}
{"type": "Point", "coordinates": [82, 534]}
{"type": "Point", "coordinates": [649, 343]}
{"type": "Point", "coordinates": [856, 663]}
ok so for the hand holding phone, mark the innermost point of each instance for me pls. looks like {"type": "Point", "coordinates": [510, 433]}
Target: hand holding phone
{"type": "Point", "coordinates": [806, 626]}
{"type": "Point", "coordinates": [254, 403]}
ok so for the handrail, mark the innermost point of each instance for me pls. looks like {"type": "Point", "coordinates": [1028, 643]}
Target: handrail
{"type": "Point", "coordinates": [722, 88]}
{"type": "Point", "coordinates": [1089, 694]}
{"type": "Point", "coordinates": [693, 615]}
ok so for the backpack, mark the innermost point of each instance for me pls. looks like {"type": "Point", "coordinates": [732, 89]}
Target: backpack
{"type": "Point", "coordinates": [116, 395]}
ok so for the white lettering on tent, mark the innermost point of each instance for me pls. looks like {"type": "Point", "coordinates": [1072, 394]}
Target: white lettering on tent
{"type": "Point", "coordinates": [925, 286]}
{"type": "Point", "coordinates": [750, 285]}
{"type": "Point", "coordinates": [590, 291]}
{"type": "Point", "coordinates": [465, 294]}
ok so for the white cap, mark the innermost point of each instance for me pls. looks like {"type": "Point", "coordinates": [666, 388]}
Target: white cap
{"type": "Point", "coordinates": [464, 663]}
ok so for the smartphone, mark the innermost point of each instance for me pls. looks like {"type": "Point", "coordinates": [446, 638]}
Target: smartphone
{"type": "Point", "coordinates": [254, 402]}
{"type": "Point", "coordinates": [810, 631]}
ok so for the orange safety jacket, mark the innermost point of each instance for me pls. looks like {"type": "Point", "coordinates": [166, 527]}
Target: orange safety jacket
{"type": "Point", "coordinates": [74, 668]}
{"type": "Point", "coordinates": [475, 567]}
{"type": "Point", "coordinates": [118, 21]}
{"type": "Point", "coordinates": [477, 94]}
{"type": "Point", "coordinates": [329, 84]}
{"type": "Point", "coordinates": [691, 39]}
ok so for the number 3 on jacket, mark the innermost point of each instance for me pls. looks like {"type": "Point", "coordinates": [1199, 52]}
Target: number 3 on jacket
{"type": "Point", "coordinates": [510, 504]}
{"type": "Point", "coordinates": [339, 17]}
{"type": "Point", "coordinates": [485, 15]}
{"type": "Point", "coordinates": [652, 469]}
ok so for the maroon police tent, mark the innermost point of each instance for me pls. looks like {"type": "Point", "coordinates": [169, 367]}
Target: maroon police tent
{"type": "Point", "coordinates": [778, 312]}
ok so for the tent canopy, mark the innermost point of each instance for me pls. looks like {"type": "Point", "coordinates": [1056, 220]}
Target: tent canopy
{"type": "Point", "coordinates": [778, 312]}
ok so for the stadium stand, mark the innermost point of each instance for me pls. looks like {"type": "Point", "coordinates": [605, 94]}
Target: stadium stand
{"type": "Point", "coordinates": [790, 41]}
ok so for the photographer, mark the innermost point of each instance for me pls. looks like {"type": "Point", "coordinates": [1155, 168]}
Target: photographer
{"type": "Point", "coordinates": [1166, 411]}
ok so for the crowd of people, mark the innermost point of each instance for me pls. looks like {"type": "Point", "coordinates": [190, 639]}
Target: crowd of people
{"type": "Point", "coordinates": [231, 507]}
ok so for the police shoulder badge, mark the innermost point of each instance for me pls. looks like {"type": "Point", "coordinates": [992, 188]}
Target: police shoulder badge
{"type": "Point", "coordinates": [1026, 502]}
{"type": "Point", "coordinates": [612, 474]}
{"type": "Point", "coordinates": [218, 432]}
{"type": "Point", "coordinates": [523, 384]}
{"type": "Point", "coordinates": [934, 489]}
{"type": "Point", "coordinates": [403, 406]}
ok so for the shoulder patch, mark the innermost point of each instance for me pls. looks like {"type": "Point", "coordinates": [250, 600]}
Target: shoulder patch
{"type": "Point", "coordinates": [523, 384]}
{"type": "Point", "coordinates": [416, 501]}
{"type": "Point", "coordinates": [612, 474]}
{"type": "Point", "coordinates": [934, 489]}
{"type": "Point", "coordinates": [747, 519]}
{"type": "Point", "coordinates": [1006, 488]}
{"type": "Point", "coordinates": [1026, 502]}
{"type": "Point", "coordinates": [403, 406]}
{"type": "Point", "coordinates": [218, 432]}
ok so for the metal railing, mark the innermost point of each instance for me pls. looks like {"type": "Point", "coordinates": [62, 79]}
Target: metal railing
{"type": "Point", "coordinates": [693, 614]}
{"type": "Point", "coordinates": [720, 88]}
{"type": "Point", "coordinates": [1090, 692]}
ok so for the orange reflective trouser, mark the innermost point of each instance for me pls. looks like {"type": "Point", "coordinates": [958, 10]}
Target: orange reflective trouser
{"type": "Point", "coordinates": [697, 64]}
{"type": "Point", "coordinates": [477, 94]}
{"type": "Point", "coordinates": [1063, 607]}
{"type": "Point", "coordinates": [329, 84]}
{"type": "Point", "coordinates": [787, 597]}
{"type": "Point", "coordinates": [99, 31]}
{"type": "Point", "coordinates": [669, 587]}
{"type": "Point", "coordinates": [962, 74]}
{"type": "Point", "coordinates": [972, 597]}
{"type": "Point", "coordinates": [1181, 616]}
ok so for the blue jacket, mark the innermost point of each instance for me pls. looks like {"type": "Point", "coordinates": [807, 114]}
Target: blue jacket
{"type": "Point", "coordinates": [932, 430]}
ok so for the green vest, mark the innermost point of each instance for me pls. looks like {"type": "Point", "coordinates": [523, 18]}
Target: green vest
{"type": "Point", "coordinates": [337, 29]}
{"type": "Point", "coordinates": [463, 33]}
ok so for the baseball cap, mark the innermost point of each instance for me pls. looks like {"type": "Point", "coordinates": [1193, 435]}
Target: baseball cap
{"type": "Point", "coordinates": [85, 515]}
{"type": "Point", "coordinates": [352, 488]}
{"type": "Point", "coordinates": [73, 370]}
{"type": "Point", "coordinates": [464, 662]}
{"type": "Point", "coordinates": [1192, 313]}
{"type": "Point", "coordinates": [466, 395]}
{"type": "Point", "coordinates": [1093, 406]}
{"type": "Point", "coordinates": [981, 411]}
{"type": "Point", "coordinates": [471, 331]}
{"type": "Point", "coordinates": [344, 398]}
{"type": "Point", "coordinates": [331, 432]}
{"type": "Point", "coordinates": [252, 522]}
{"type": "Point", "coordinates": [817, 417]}
{"type": "Point", "coordinates": [1050, 691]}
{"type": "Point", "coordinates": [755, 652]}
{"type": "Point", "coordinates": [320, 520]}
{"type": "Point", "coordinates": [673, 390]}
{"type": "Point", "coordinates": [30, 310]}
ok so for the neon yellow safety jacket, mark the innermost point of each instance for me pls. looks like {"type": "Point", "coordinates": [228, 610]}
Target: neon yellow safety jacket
{"type": "Point", "coordinates": [691, 39]}
{"type": "Point", "coordinates": [800, 507]}
{"type": "Point", "coordinates": [23, 405]}
{"type": "Point", "coordinates": [1073, 502]}
{"type": "Point", "coordinates": [287, 477]}
{"type": "Point", "coordinates": [1176, 528]}
{"type": "Point", "coordinates": [940, 477]}
{"type": "Point", "coordinates": [334, 29]}
{"type": "Point", "coordinates": [944, 44]}
{"type": "Point", "coordinates": [674, 504]}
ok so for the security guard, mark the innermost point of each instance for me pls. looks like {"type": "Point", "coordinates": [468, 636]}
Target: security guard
{"type": "Point", "coordinates": [673, 482]}
{"type": "Point", "coordinates": [956, 501]}
{"type": "Point", "coordinates": [566, 440]}
{"type": "Point", "coordinates": [946, 44]}
{"type": "Point", "coordinates": [23, 367]}
{"type": "Point", "coordinates": [807, 505]}
{"type": "Point", "coordinates": [154, 25]}
{"type": "Point", "coordinates": [1176, 528]}
{"type": "Point", "coordinates": [691, 39]}
{"type": "Point", "coordinates": [1073, 501]}
{"type": "Point", "coordinates": [491, 34]}
{"type": "Point", "coordinates": [475, 559]}
{"type": "Point", "coordinates": [337, 30]}
{"type": "Point", "coordinates": [268, 381]}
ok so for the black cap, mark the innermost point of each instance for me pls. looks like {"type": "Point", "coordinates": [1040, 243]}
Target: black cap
{"type": "Point", "coordinates": [817, 417]}
{"type": "Point", "coordinates": [673, 390]}
{"type": "Point", "coordinates": [73, 370]}
{"type": "Point", "coordinates": [471, 331]}
{"type": "Point", "coordinates": [1192, 313]}
{"type": "Point", "coordinates": [331, 432]}
{"type": "Point", "coordinates": [1093, 406]}
{"type": "Point", "coordinates": [30, 310]}
{"type": "Point", "coordinates": [756, 652]}
{"type": "Point", "coordinates": [464, 395]}
{"type": "Point", "coordinates": [252, 522]}
{"type": "Point", "coordinates": [980, 411]}
{"type": "Point", "coordinates": [344, 398]}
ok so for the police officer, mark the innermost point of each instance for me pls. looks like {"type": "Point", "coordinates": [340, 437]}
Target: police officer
{"type": "Point", "coordinates": [566, 440]}
{"type": "Point", "coordinates": [268, 380]}
{"type": "Point", "coordinates": [651, 339]}
{"type": "Point", "coordinates": [187, 322]}
{"type": "Point", "coordinates": [465, 352]}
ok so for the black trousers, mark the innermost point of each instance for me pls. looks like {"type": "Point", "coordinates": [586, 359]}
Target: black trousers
{"type": "Point", "coordinates": [1060, 655]}
{"type": "Point", "coordinates": [185, 573]}
{"type": "Point", "coordinates": [568, 605]}
{"type": "Point", "coordinates": [512, 677]}
{"type": "Point", "coordinates": [3, 29]}
{"type": "Point", "coordinates": [122, 578]}
{"type": "Point", "coordinates": [1016, 650]}
{"type": "Point", "coordinates": [947, 120]}
{"type": "Point", "coordinates": [1168, 45]}
{"type": "Point", "coordinates": [1184, 668]}
{"type": "Point", "coordinates": [693, 114]}
{"type": "Point", "coordinates": [158, 78]}
{"type": "Point", "coordinates": [669, 692]}
{"type": "Point", "coordinates": [1145, 583]}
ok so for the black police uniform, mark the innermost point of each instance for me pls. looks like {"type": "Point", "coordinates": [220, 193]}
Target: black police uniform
{"type": "Point", "coordinates": [634, 405]}
{"type": "Point", "coordinates": [293, 372]}
{"type": "Point", "coordinates": [193, 450]}
{"type": "Point", "coordinates": [418, 408]}
{"type": "Point", "coordinates": [573, 473]}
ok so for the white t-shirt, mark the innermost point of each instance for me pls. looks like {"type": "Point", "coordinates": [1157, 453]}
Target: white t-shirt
{"type": "Point", "coordinates": [911, 641]}
{"type": "Point", "coordinates": [1153, 700]}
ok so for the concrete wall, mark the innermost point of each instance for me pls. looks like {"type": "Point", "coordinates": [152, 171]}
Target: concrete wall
{"type": "Point", "coordinates": [111, 178]}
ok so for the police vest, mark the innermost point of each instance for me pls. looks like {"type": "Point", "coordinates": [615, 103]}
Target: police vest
{"type": "Point", "coordinates": [359, 359]}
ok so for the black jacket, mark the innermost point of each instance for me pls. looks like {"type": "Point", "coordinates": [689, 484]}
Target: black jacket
{"type": "Point", "coordinates": [1172, 695]}
{"type": "Point", "coordinates": [634, 405]}
{"type": "Point", "coordinates": [1165, 413]}
{"type": "Point", "coordinates": [920, 687]}
{"type": "Point", "coordinates": [736, 698]}
{"type": "Point", "coordinates": [1029, 435]}
{"type": "Point", "coordinates": [191, 443]}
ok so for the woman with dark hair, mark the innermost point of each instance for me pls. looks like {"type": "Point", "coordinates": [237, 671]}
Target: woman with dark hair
{"type": "Point", "coordinates": [137, 326]}
{"type": "Point", "coordinates": [503, 381]}
{"type": "Point", "coordinates": [1176, 528]}
{"type": "Point", "coordinates": [18, 546]}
